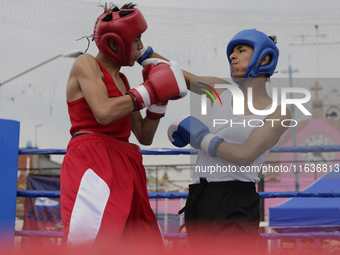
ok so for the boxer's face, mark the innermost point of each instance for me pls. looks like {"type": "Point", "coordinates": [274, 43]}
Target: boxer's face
{"type": "Point", "coordinates": [240, 59]}
{"type": "Point", "coordinates": [136, 47]}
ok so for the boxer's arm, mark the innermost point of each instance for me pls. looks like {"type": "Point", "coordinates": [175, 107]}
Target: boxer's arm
{"type": "Point", "coordinates": [261, 140]}
{"type": "Point", "coordinates": [143, 129]}
{"type": "Point", "coordinates": [193, 81]}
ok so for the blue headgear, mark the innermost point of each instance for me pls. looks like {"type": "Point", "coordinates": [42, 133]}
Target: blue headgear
{"type": "Point", "coordinates": [262, 45]}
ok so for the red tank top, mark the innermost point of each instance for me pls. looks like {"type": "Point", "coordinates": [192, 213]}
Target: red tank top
{"type": "Point", "coordinates": [82, 118]}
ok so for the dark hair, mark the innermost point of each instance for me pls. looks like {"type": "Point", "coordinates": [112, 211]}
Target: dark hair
{"type": "Point", "coordinates": [114, 8]}
{"type": "Point", "coordinates": [273, 38]}
{"type": "Point", "coordinates": [108, 17]}
{"type": "Point", "coordinates": [129, 6]}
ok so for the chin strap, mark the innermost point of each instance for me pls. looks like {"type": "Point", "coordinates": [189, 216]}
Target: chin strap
{"type": "Point", "coordinates": [243, 81]}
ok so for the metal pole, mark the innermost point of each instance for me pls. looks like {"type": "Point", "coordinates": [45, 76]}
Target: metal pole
{"type": "Point", "coordinates": [294, 130]}
{"type": "Point", "coordinates": [43, 63]}
{"type": "Point", "coordinates": [261, 189]}
{"type": "Point", "coordinates": [36, 134]}
{"type": "Point", "coordinates": [70, 54]}
{"type": "Point", "coordinates": [317, 51]}
{"type": "Point", "coordinates": [157, 191]}
{"type": "Point", "coordinates": [290, 71]}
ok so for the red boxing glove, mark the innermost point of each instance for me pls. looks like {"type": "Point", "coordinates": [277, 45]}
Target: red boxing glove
{"type": "Point", "coordinates": [146, 71]}
{"type": "Point", "coordinates": [154, 111]}
{"type": "Point", "coordinates": [165, 81]}
{"type": "Point", "coordinates": [157, 111]}
{"type": "Point", "coordinates": [149, 64]}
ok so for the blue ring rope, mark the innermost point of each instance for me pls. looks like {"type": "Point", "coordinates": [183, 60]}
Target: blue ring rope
{"type": "Point", "coordinates": [170, 151]}
{"type": "Point", "coordinates": [176, 195]}
{"type": "Point", "coordinates": [166, 151]}
{"type": "Point", "coordinates": [326, 235]}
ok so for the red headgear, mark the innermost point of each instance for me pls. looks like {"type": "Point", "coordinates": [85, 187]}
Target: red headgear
{"type": "Point", "coordinates": [110, 25]}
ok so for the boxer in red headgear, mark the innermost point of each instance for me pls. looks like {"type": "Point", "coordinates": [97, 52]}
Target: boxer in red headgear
{"type": "Point", "coordinates": [103, 190]}
{"type": "Point", "coordinates": [122, 27]}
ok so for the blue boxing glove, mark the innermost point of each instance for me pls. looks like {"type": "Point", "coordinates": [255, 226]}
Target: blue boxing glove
{"type": "Point", "coordinates": [146, 53]}
{"type": "Point", "coordinates": [193, 131]}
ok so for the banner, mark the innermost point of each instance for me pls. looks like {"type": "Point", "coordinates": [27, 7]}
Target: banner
{"type": "Point", "coordinates": [42, 213]}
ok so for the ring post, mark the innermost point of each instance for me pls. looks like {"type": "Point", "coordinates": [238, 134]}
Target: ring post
{"type": "Point", "coordinates": [9, 153]}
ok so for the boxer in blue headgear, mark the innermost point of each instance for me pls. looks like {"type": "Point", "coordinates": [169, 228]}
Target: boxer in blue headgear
{"type": "Point", "coordinates": [262, 46]}
{"type": "Point", "coordinates": [222, 208]}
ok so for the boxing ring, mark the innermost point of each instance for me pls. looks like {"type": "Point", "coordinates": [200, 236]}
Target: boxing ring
{"type": "Point", "coordinates": [9, 152]}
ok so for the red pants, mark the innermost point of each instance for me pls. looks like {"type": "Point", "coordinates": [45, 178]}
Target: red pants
{"type": "Point", "coordinates": [103, 193]}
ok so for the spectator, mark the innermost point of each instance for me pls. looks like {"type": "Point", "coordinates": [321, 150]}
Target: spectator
{"type": "Point", "coordinates": [288, 247]}
{"type": "Point", "coordinates": [309, 246]}
{"type": "Point", "coordinates": [334, 247]}
{"type": "Point", "coordinates": [325, 246]}
{"type": "Point", "coordinates": [183, 243]}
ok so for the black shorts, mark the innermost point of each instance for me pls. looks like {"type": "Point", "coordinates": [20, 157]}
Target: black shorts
{"type": "Point", "coordinates": [225, 211]}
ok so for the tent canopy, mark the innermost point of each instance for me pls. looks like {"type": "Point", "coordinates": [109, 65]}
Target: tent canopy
{"type": "Point", "coordinates": [312, 212]}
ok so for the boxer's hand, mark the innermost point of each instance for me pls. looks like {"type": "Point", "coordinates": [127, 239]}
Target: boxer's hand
{"type": "Point", "coordinates": [154, 111]}
{"type": "Point", "coordinates": [157, 111]}
{"type": "Point", "coordinates": [149, 64]}
{"type": "Point", "coordinates": [193, 131]}
{"type": "Point", "coordinates": [165, 81]}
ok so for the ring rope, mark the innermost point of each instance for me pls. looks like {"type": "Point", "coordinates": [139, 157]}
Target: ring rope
{"type": "Point", "coordinates": [325, 235]}
{"type": "Point", "coordinates": [176, 195]}
{"type": "Point", "coordinates": [167, 151]}
{"type": "Point", "coordinates": [170, 151]}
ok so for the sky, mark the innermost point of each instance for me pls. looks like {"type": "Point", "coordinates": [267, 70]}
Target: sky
{"type": "Point", "coordinates": [194, 33]}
